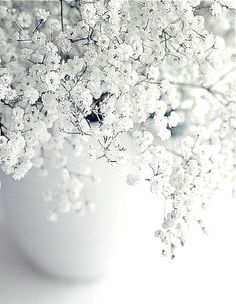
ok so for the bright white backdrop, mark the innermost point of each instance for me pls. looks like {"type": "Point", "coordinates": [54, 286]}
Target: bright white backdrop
{"type": "Point", "coordinates": [204, 272]}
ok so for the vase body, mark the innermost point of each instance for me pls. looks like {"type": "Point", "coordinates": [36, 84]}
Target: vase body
{"type": "Point", "coordinates": [75, 247]}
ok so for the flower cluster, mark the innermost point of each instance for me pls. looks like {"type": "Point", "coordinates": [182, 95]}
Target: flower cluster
{"type": "Point", "coordinates": [86, 73]}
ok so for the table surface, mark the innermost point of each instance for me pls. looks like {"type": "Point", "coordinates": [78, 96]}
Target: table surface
{"type": "Point", "coordinates": [203, 271]}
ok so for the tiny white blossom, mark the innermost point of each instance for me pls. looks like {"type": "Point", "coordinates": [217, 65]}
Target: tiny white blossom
{"type": "Point", "coordinates": [52, 216]}
{"type": "Point", "coordinates": [31, 95]}
{"type": "Point", "coordinates": [52, 81]}
{"type": "Point", "coordinates": [42, 14]}
{"type": "Point", "coordinates": [173, 119]}
{"type": "Point", "coordinates": [133, 179]}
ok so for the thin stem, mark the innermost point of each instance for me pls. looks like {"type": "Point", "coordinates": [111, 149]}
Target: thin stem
{"type": "Point", "coordinates": [186, 84]}
{"type": "Point", "coordinates": [38, 25]}
{"type": "Point", "coordinates": [175, 153]}
{"type": "Point", "coordinates": [222, 77]}
{"type": "Point", "coordinates": [18, 24]}
{"type": "Point", "coordinates": [190, 157]}
{"type": "Point", "coordinates": [62, 17]}
{"type": "Point", "coordinates": [198, 86]}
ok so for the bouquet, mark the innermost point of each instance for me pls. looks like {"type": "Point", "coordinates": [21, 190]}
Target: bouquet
{"type": "Point", "coordinates": [96, 74]}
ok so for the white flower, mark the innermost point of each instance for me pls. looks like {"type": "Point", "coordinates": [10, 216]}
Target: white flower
{"type": "Point", "coordinates": [194, 2]}
{"type": "Point", "coordinates": [103, 41]}
{"type": "Point", "coordinates": [173, 119]}
{"type": "Point", "coordinates": [216, 9]}
{"type": "Point", "coordinates": [52, 216]}
{"type": "Point", "coordinates": [26, 53]}
{"type": "Point", "coordinates": [39, 38]}
{"type": "Point", "coordinates": [49, 102]}
{"type": "Point", "coordinates": [133, 179]}
{"type": "Point", "coordinates": [31, 95]}
{"type": "Point", "coordinates": [140, 67]}
{"type": "Point", "coordinates": [18, 113]}
{"type": "Point", "coordinates": [164, 85]}
{"type": "Point", "coordinates": [22, 169]}
{"type": "Point", "coordinates": [42, 14]}
{"type": "Point", "coordinates": [83, 29]}
{"type": "Point", "coordinates": [153, 73]}
{"type": "Point", "coordinates": [89, 13]}
{"type": "Point", "coordinates": [219, 43]}
{"type": "Point", "coordinates": [137, 46]}
{"type": "Point", "coordinates": [71, 32]}
{"type": "Point", "coordinates": [92, 152]}
{"type": "Point", "coordinates": [63, 42]}
{"type": "Point", "coordinates": [124, 124]}
{"type": "Point", "coordinates": [90, 56]}
{"type": "Point", "coordinates": [85, 100]}
{"type": "Point", "coordinates": [64, 205]}
{"type": "Point", "coordinates": [52, 81]}
{"type": "Point", "coordinates": [54, 24]}
{"type": "Point", "coordinates": [209, 41]}
{"type": "Point", "coordinates": [143, 139]}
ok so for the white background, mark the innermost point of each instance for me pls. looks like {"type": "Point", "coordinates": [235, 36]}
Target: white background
{"type": "Point", "coordinates": [203, 272]}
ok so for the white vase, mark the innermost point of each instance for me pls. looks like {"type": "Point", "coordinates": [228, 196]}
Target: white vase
{"type": "Point", "coordinates": [75, 247]}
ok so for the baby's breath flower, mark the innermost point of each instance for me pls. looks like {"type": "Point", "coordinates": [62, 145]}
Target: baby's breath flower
{"type": "Point", "coordinates": [39, 38]}
{"type": "Point", "coordinates": [63, 42]}
{"type": "Point", "coordinates": [31, 95]}
{"type": "Point", "coordinates": [42, 14]}
{"type": "Point", "coordinates": [52, 81]}
{"type": "Point", "coordinates": [52, 216]}
{"type": "Point", "coordinates": [145, 84]}
{"type": "Point", "coordinates": [54, 24]}
{"type": "Point", "coordinates": [133, 179]}
{"type": "Point", "coordinates": [173, 119]}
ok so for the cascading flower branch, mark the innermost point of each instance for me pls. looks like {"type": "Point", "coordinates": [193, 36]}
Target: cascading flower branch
{"type": "Point", "coordinates": [90, 71]}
